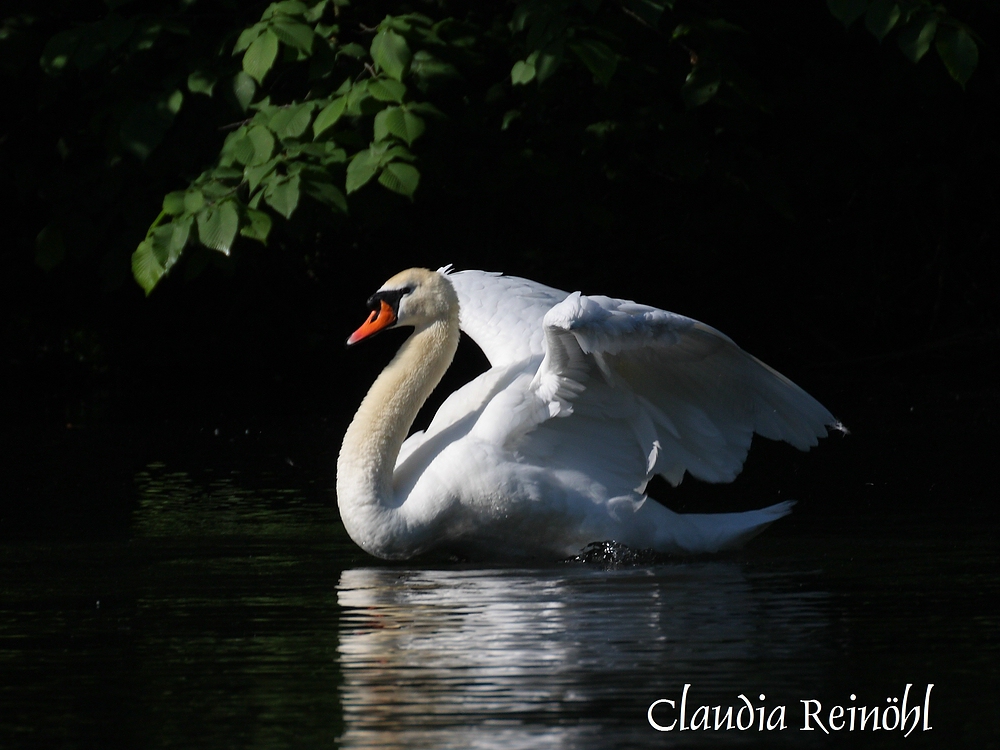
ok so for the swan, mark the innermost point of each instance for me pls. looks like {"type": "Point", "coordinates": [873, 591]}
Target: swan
{"type": "Point", "coordinates": [549, 450]}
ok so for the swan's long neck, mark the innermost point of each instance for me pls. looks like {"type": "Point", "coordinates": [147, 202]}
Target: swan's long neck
{"type": "Point", "coordinates": [371, 445]}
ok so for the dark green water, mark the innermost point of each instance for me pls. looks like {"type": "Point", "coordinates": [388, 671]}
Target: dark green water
{"type": "Point", "coordinates": [227, 609]}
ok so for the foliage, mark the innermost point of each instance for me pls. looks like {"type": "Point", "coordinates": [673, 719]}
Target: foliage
{"type": "Point", "coordinates": [918, 24]}
{"type": "Point", "coordinates": [300, 104]}
{"type": "Point", "coordinates": [310, 146]}
{"type": "Point", "coordinates": [371, 120]}
{"type": "Point", "coordinates": [742, 163]}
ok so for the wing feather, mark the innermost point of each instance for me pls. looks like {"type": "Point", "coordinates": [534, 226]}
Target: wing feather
{"type": "Point", "coordinates": [693, 388]}
{"type": "Point", "coordinates": [503, 314]}
{"type": "Point", "coordinates": [647, 391]}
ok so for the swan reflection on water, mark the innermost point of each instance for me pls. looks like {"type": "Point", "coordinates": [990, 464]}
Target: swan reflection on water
{"type": "Point", "coordinates": [566, 656]}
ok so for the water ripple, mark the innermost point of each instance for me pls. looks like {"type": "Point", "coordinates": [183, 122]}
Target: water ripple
{"type": "Point", "coordinates": [523, 658]}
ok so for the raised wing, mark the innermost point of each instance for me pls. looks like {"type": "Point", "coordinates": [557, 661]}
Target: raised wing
{"type": "Point", "coordinates": [689, 397]}
{"type": "Point", "coordinates": [503, 314]}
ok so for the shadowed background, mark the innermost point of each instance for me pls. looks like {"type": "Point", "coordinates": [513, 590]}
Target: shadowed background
{"type": "Point", "coordinates": [837, 217]}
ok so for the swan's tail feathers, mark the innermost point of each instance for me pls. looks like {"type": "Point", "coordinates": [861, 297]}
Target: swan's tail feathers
{"type": "Point", "coordinates": [712, 532]}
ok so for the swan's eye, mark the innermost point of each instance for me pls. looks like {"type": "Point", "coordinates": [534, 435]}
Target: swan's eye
{"type": "Point", "coordinates": [390, 296]}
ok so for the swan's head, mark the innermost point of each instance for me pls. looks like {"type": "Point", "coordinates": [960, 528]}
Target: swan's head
{"type": "Point", "coordinates": [415, 297]}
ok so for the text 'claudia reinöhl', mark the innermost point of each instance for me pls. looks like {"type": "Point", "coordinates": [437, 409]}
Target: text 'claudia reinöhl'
{"type": "Point", "coordinates": [666, 715]}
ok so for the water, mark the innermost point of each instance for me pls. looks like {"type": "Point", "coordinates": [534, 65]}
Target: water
{"type": "Point", "coordinates": [561, 658]}
{"type": "Point", "coordinates": [228, 609]}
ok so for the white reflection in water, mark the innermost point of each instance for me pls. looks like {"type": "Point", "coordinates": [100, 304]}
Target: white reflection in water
{"type": "Point", "coordinates": [569, 656]}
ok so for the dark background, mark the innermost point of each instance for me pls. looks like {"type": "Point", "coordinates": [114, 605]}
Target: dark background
{"type": "Point", "coordinates": [847, 236]}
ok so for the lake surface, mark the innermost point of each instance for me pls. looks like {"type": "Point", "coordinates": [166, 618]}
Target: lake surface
{"type": "Point", "coordinates": [226, 608]}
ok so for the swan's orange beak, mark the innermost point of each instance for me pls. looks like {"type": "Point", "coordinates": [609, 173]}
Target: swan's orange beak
{"type": "Point", "coordinates": [379, 320]}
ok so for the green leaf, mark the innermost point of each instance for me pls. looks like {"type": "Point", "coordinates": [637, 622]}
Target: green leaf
{"type": "Point", "coordinates": [248, 36]}
{"type": "Point", "coordinates": [315, 12]}
{"type": "Point", "coordinates": [214, 191]}
{"type": "Point", "coordinates": [599, 58]}
{"type": "Point", "coordinates": [173, 203]}
{"type": "Point", "coordinates": [391, 53]}
{"type": "Point", "coordinates": [361, 169]}
{"type": "Point", "coordinates": [602, 129]}
{"type": "Point", "coordinates": [292, 121]}
{"type": "Point", "coordinates": [405, 22]}
{"type": "Point", "coordinates": [283, 195]}
{"type": "Point", "coordinates": [294, 34]}
{"type": "Point", "coordinates": [722, 26]}
{"type": "Point", "coordinates": [881, 17]}
{"type": "Point", "coordinates": [357, 96]}
{"type": "Point", "coordinates": [59, 51]}
{"type": "Point", "coordinates": [400, 178]}
{"type": "Point", "coordinates": [386, 153]}
{"type": "Point", "coordinates": [329, 115]}
{"type": "Point", "coordinates": [237, 147]}
{"type": "Point", "coordinates": [847, 11]}
{"type": "Point", "coordinates": [548, 61]}
{"type": "Point", "coordinates": [425, 66]}
{"type": "Point", "coordinates": [648, 10]}
{"type": "Point", "coordinates": [241, 148]}
{"type": "Point", "coordinates": [257, 226]}
{"type": "Point", "coordinates": [353, 49]}
{"type": "Point", "coordinates": [244, 89]}
{"type": "Point", "coordinates": [159, 251]}
{"type": "Point", "coordinates": [701, 84]}
{"type": "Point", "coordinates": [523, 72]}
{"type": "Point", "coordinates": [387, 90]}
{"type": "Point", "coordinates": [286, 7]}
{"type": "Point", "coordinates": [521, 17]}
{"type": "Point", "coordinates": [255, 175]}
{"type": "Point", "coordinates": [509, 116]}
{"type": "Point", "coordinates": [143, 128]}
{"type": "Point", "coordinates": [194, 201]}
{"type": "Point", "coordinates": [175, 238]}
{"type": "Point", "coordinates": [380, 128]}
{"type": "Point", "coordinates": [223, 173]}
{"type": "Point", "coordinates": [915, 38]}
{"type": "Point", "coordinates": [260, 55]}
{"type": "Point", "coordinates": [425, 108]}
{"type": "Point", "coordinates": [174, 101]}
{"type": "Point", "coordinates": [333, 154]}
{"type": "Point", "coordinates": [180, 233]}
{"type": "Point", "coordinates": [146, 269]}
{"type": "Point", "coordinates": [200, 82]}
{"type": "Point", "coordinates": [399, 24]}
{"type": "Point", "coordinates": [326, 192]}
{"type": "Point", "coordinates": [399, 122]}
{"type": "Point", "coordinates": [217, 226]}
{"type": "Point", "coordinates": [959, 53]}
{"type": "Point", "coordinates": [263, 144]}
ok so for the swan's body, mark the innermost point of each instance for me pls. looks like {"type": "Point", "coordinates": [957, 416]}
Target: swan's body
{"type": "Point", "coordinates": [551, 449]}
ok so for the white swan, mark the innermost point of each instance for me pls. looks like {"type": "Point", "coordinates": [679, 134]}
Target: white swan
{"type": "Point", "coordinates": [549, 450]}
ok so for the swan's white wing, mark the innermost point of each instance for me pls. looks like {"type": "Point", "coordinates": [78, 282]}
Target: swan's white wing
{"type": "Point", "coordinates": [688, 397]}
{"type": "Point", "coordinates": [647, 388]}
{"type": "Point", "coordinates": [503, 314]}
